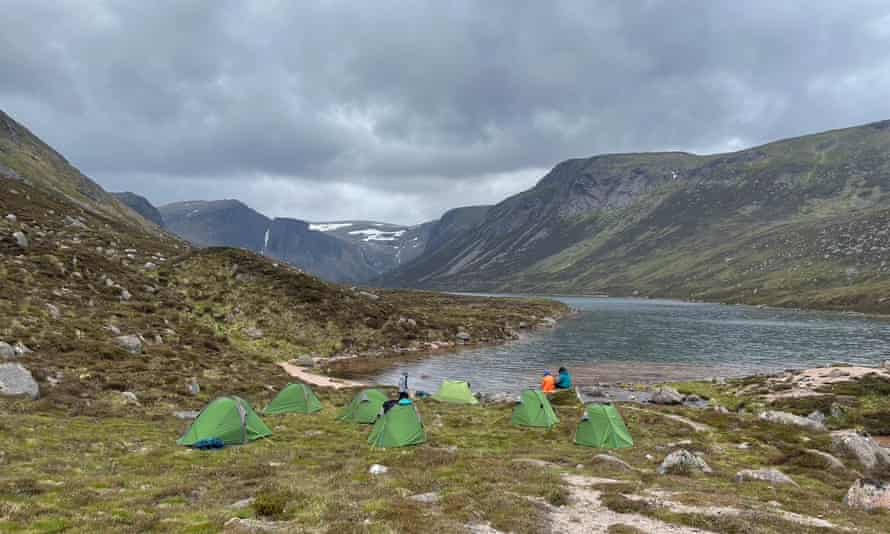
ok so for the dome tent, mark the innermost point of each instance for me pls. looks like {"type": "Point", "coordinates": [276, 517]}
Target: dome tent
{"type": "Point", "coordinates": [364, 408]}
{"type": "Point", "coordinates": [400, 426]}
{"type": "Point", "coordinates": [294, 398]}
{"type": "Point", "coordinates": [230, 420]}
{"type": "Point", "coordinates": [534, 410]}
{"type": "Point", "coordinates": [602, 427]}
{"type": "Point", "coordinates": [456, 392]}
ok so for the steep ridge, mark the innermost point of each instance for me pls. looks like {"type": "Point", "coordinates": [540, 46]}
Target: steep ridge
{"type": "Point", "coordinates": [142, 206]}
{"type": "Point", "coordinates": [26, 158]}
{"type": "Point", "coordinates": [799, 222]}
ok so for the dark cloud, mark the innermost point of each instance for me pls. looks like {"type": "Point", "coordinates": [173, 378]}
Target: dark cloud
{"type": "Point", "coordinates": [379, 105]}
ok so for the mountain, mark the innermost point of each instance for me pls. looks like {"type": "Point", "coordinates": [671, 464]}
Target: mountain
{"type": "Point", "coordinates": [142, 206]}
{"type": "Point", "coordinates": [798, 222]}
{"type": "Point", "coordinates": [339, 251]}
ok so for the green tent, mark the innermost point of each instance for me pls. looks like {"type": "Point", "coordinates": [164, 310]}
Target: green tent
{"type": "Point", "coordinates": [295, 398]}
{"type": "Point", "coordinates": [534, 409]}
{"type": "Point", "coordinates": [228, 419]}
{"type": "Point", "coordinates": [455, 391]}
{"type": "Point", "coordinates": [400, 426]}
{"type": "Point", "coordinates": [364, 408]}
{"type": "Point", "coordinates": [602, 427]}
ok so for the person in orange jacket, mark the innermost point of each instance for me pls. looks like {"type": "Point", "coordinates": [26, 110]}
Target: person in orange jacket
{"type": "Point", "coordinates": [549, 383]}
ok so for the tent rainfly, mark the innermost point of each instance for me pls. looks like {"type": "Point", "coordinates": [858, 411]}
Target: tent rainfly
{"type": "Point", "coordinates": [400, 426]}
{"type": "Point", "coordinates": [294, 398]}
{"type": "Point", "coordinates": [456, 392]}
{"type": "Point", "coordinates": [228, 419]}
{"type": "Point", "coordinates": [534, 410]}
{"type": "Point", "coordinates": [364, 408]}
{"type": "Point", "coordinates": [602, 427]}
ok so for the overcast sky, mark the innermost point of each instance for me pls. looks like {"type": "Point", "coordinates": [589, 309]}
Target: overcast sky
{"type": "Point", "coordinates": [397, 111]}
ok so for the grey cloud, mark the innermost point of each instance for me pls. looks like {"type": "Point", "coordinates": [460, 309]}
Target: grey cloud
{"type": "Point", "coordinates": [396, 99]}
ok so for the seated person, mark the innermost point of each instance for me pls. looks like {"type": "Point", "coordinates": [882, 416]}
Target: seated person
{"type": "Point", "coordinates": [564, 381]}
{"type": "Point", "coordinates": [548, 385]}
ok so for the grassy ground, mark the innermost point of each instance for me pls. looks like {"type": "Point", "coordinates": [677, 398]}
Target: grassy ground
{"type": "Point", "coordinates": [125, 474]}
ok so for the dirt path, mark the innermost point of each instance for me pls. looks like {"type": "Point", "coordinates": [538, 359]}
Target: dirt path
{"type": "Point", "coordinates": [313, 379]}
{"type": "Point", "coordinates": [588, 515]}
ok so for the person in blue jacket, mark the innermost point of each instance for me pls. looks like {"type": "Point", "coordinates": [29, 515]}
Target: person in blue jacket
{"type": "Point", "coordinates": [564, 380]}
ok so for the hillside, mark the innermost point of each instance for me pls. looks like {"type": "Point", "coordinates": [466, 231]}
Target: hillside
{"type": "Point", "coordinates": [799, 222]}
{"type": "Point", "coordinates": [24, 157]}
{"type": "Point", "coordinates": [142, 206]}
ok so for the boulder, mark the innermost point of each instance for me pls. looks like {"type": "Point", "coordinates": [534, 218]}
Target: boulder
{"type": "Point", "coordinates": [771, 476]}
{"type": "Point", "coordinates": [6, 351]}
{"type": "Point", "coordinates": [666, 395]}
{"type": "Point", "coordinates": [149, 266]}
{"type": "Point", "coordinates": [868, 453]}
{"type": "Point", "coordinates": [683, 462]}
{"type": "Point", "coordinates": [608, 459]}
{"type": "Point", "coordinates": [427, 498]}
{"type": "Point", "coordinates": [129, 396]}
{"type": "Point", "coordinates": [131, 344]}
{"type": "Point", "coordinates": [11, 218]}
{"type": "Point", "coordinates": [784, 418]}
{"type": "Point", "coordinates": [254, 333]}
{"type": "Point", "coordinates": [125, 295]}
{"type": "Point", "coordinates": [186, 415]}
{"type": "Point", "coordinates": [53, 311]}
{"type": "Point", "coordinates": [868, 495]}
{"type": "Point", "coordinates": [837, 411]}
{"type": "Point", "coordinates": [463, 336]}
{"type": "Point", "coordinates": [817, 416]}
{"type": "Point", "coordinates": [378, 469]}
{"type": "Point", "coordinates": [16, 380]}
{"type": "Point", "coordinates": [829, 461]}
{"type": "Point", "coordinates": [20, 239]}
{"type": "Point", "coordinates": [192, 387]}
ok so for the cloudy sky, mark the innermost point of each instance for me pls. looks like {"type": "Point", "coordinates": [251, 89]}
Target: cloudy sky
{"type": "Point", "coordinates": [398, 111]}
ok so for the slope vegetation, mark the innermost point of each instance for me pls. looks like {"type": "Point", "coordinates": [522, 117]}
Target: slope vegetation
{"type": "Point", "coordinates": [800, 222]}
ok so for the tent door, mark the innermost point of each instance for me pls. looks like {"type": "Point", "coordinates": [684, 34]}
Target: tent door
{"type": "Point", "coordinates": [242, 413]}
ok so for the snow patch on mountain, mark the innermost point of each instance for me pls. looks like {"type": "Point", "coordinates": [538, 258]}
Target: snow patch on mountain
{"type": "Point", "coordinates": [373, 234]}
{"type": "Point", "coordinates": [328, 227]}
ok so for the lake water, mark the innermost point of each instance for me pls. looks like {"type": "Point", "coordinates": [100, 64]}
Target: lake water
{"type": "Point", "coordinates": [639, 340]}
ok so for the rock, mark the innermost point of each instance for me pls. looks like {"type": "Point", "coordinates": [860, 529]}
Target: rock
{"type": "Point", "coordinates": [254, 333]}
{"type": "Point", "coordinates": [131, 344]}
{"type": "Point", "coordinates": [129, 396]}
{"type": "Point", "coordinates": [743, 446]}
{"type": "Point", "coordinates": [6, 351]}
{"type": "Point", "coordinates": [650, 457]}
{"type": "Point", "coordinates": [772, 476]}
{"type": "Point", "coordinates": [666, 395]}
{"type": "Point", "coordinates": [868, 495]}
{"type": "Point", "coordinates": [830, 462]}
{"type": "Point", "coordinates": [236, 525]}
{"type": "Point", "coordinates": [692, 398]}
{"type": "Point", "coordinates": [125, 295]}
{"type": "Point", "coordinates": [463, 336]}
{"type": "Point", "coordinates": [613, 461]}
{"type": "Point", "coordinates": [367, 295]}
{"type": "Point", "coordinates": [243, 503]}
{"type": "Point", "coordinates": [186, 415]}
{"type": "Point", "coordinates": [11, 218]}
{"type": "Point", "coordinates": [305, 361]}
{"type": "Point", "coordinates": [683, 462]}
{"type": "Point", "coordinates": [675, 444]}
{"type": "Point", "coordinates": [784, 418]}
{"type": "Point", "coordinates": [114, 330]}
{"type": "Point", "coordinates": [868, 453]}
{"type": "Point", "coordinates": [192, 387]}
{"type": "Point", "coordinates": [378, 469]}
{"type": "Point", "coordinates": [837, 411]}
{"type": "Point", "coordinates": [20, 239]}
{"type": "Point", "coordinates": [149, 266]}
{"type": "Point", "coordinates": [817, 416]}
{"type": "Point", "coordinates": [21, 349]}
{"type": "Point", "coordinates": [53, 311]}
{"type": "Point", "coordinates": [427, 498]}
{"type": "Point", "coordinates": [16, 380]}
